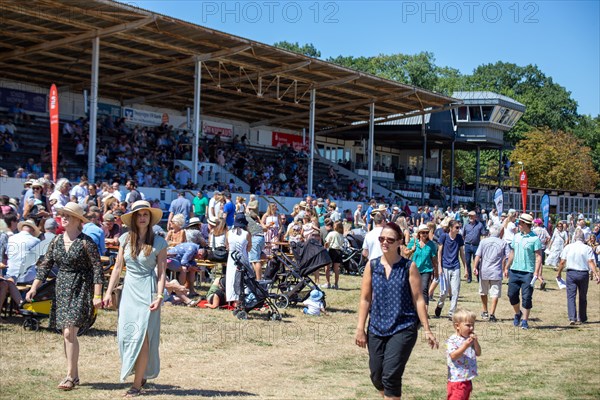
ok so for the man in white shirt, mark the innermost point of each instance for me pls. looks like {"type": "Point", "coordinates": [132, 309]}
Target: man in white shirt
{"type": "Point", "coordinates": [22, 253]}
{"type": "Point", "coordinates": [371, 246]}
{"type": "Point", "coordinates": [60, 197]}
{"type": "Point", "coordinates": [80, 191]}
{"type": "Point", "coordinates": [579, 260]}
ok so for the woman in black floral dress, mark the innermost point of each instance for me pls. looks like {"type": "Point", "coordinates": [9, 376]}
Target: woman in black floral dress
{"type": "Point", "coordinates": [78, 285]}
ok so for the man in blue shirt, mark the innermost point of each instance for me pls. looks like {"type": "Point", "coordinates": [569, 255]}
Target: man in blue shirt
{"type": "Point", "coordinates": [180, 205]}
{"type": "Point", "coordinates": [182, 259]}
{"type": "Point", "coordinates": [93, 230]}
{"type": "Point", "coordinates": [473, 231]}
{"type": "Point", "coordinates": [450, 250]}
{"type": "Point", "coordinates": [228, 210]}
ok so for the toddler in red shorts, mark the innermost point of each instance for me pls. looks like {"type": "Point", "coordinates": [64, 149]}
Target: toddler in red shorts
{"type": "Point", "coordinates": [463, 350]}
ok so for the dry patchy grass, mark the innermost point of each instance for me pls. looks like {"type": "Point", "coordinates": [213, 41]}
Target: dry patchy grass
{"type": "Point", "coordinates": [207, 354]}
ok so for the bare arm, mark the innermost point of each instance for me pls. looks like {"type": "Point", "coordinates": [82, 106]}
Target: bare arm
{"type": "Point", "coordinates": [508, 264]}
{"type": "Point", "coordinates": [364, 304]}
{"type": "Point", "coordinates": [538, 264]}
{"type": "Point", "coordinates": [114, 277]}
{"type": "Point", "coordinates": [161, 267]}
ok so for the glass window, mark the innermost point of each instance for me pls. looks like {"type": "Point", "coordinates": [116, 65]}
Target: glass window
{"type": "Point", "coordinates": [487, 112]}
{"type": "Point", "coordinates": [499, 114]}
{"type": "Point", "coordinates": [463, 114]}
{"type": "Point", "coordinates": [506, 117]}
{"type": "Point", "coordinates": [475, 113]}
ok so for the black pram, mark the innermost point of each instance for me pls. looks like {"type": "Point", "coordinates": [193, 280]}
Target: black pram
{"type": "Point", "coordinates": [252, 294]}
{"type": "Point", "coordinates": [290, 278]}
{"type": "Point", "coordinates": [352, 260]}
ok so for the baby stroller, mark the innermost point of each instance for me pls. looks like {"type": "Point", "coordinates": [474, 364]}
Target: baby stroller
{"type": "Point", "coordinates": [252, 293]}
{"type": "Point", "coordinates": [290, 279]}
{"type": "Point", "coordinates": [40, 307]}
{"type": "Point", "coordinates": [353, 262]}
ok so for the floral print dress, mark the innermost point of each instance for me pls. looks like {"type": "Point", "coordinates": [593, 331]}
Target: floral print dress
{"type": "Point", "coordinates": [78, 270]}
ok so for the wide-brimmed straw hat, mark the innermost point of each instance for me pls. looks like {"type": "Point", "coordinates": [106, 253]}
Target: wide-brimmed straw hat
{"type": "Point", "coordinates": [74, 210]}
{"type": "Point", "coordinates": [211, 221]}
{"type": "Point", "coordinates": [381, 209]}
{"type": "Point", "coordinates": [156, 213]}
{"type": "Point", "coordinates": [30, 224]}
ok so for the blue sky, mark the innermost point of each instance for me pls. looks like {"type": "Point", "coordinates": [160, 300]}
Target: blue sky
{"type": "Point", "coordinates": [562, 38]}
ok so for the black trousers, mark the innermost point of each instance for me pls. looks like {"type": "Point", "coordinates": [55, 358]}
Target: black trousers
{"type": "Point", "coordinates": [388, 356]}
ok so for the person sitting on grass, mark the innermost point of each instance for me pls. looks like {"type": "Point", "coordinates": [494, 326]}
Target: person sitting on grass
{"type": "Point", "coordinates": [179, 294]}
{"type": "Point", "coordinates": [314, 304]}
{"type": "Point", "coordinates": [462, 353]}
{"type": "Point", "coordinates": [215, 296]}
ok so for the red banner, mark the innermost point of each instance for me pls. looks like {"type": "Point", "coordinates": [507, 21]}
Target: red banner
{"type": "Point", "coordinates": [523, 181]}
{"type": "Point", "coordinates": [53, 107]}
{"type": "Point", "coordinates": [294, 141]}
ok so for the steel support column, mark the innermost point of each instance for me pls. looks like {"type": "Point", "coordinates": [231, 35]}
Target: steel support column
{"type": "Point", "coordinates": [311, 138]}
{"type": "Point", "coordinates": [93, 110]}
{"type": "Point", "coordinates": [197, 87]}
{"type": "Point", "coordinates": [424, 164]}
{"type": "Point", "coordinates": [371, 147]}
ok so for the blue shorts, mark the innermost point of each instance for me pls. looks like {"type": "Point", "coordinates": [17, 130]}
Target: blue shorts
{"type": "Point", "coordinates": [258, 244]}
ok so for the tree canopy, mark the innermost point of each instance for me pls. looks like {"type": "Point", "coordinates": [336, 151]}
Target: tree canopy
{"type": "Point", "coordinates": [562, 163]}
{"type": "Point", "coordinates": [306, 49]}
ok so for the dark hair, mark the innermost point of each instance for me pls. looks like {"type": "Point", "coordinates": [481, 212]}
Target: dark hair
{"type": "Point", "coordinates": [452, 223]}
{"type": "Point", "coordinates": [378, 218]}
{"type": "Point", "coordinates": [393, 226]}
{"type": "Point", "coordinates": [9, 218]}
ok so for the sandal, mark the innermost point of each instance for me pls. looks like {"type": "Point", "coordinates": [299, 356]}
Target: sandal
{"type": "Point", "coordinates": [133, 392]}
{"type": "Point", "coordinates": [193, 303]}
{"type": "Point", "coordinates": [144, 382]}
{"type": "Point", "coordinates": [68, 384]}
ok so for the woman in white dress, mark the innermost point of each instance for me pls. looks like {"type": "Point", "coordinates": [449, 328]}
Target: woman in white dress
{"type": "Point", "coordinates": [560, 238]}
{"type": "Point", "coordinates": [237, 239]}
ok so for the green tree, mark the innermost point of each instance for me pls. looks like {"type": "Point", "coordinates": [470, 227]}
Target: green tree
{"type": "Point", "coordinates": [556, 159]}
{"type": "Point", "coordinates": [588, 130]}
{"type": "Point", "coordinates": [307, 49]}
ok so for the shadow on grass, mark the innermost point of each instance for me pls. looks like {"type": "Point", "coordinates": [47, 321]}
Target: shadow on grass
{"type": "Point", "coordinates": [341, 310]}
{"type": "Point", "coordinates": [152, 389]}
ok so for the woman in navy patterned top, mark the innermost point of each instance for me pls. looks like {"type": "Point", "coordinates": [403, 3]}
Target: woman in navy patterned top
{"type": "Point", "coordinates": [392, 298]}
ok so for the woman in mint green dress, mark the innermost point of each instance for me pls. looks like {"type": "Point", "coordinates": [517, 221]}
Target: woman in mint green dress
{"type": "Point", "coordinates": [144, 256]}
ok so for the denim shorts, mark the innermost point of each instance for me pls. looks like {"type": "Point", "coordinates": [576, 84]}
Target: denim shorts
{"type": "Point", "coordinates": [258, 244]}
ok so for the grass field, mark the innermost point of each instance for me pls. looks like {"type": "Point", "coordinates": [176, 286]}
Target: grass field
{"type": "Point", "coordinates": [208, 354]}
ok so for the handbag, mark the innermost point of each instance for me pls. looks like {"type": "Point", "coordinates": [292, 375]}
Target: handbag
{"type": "Point", "coordinates": [217, 253]}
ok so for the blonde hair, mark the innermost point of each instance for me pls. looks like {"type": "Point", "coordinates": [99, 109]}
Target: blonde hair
{"type": "Point", "coordinates": [463, 315]}
{"type": "Point", "coordinates": [240, 199]}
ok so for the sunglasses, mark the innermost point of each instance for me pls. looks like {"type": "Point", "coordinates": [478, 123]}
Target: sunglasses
{"type": "Point", "coordinates": [389, 240]}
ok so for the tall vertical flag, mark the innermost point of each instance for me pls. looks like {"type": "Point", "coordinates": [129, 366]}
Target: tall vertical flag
{"type": "Point", "coordinates": [499, 201]}
{"type": "Point", "coordinates": [53, 108]}
{"type": "Point", "coordinates": [523, 181]}
{"type": "Point", "coordinates": [545, 206]}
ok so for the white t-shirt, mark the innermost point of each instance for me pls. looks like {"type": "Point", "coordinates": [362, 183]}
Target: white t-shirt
{"type": "Point", "coordinates": [509, 232]}
{"type": "Point", "coordinates": [313, 307]}
{"type": "Point", "coordinates": [577, 255]}
{"type": "Point", "coordinates": [371, 243]}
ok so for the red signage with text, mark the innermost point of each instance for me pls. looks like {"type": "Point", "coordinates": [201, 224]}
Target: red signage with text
{"type": "Point", "coordinates": [294, 141]}
{"type": "Point", "coordinates": [53, 107]}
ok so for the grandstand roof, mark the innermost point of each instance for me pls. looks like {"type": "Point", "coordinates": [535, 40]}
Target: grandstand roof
{"type": "Point", "coordinates": [149, 58]}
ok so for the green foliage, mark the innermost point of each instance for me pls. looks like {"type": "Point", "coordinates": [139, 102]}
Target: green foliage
{"type": "Point", "coordinates": [588, 130]}
{"type": "Point", "coordinates": [307, 49]}
{"type": "Point", "coordinates": [556, 160]}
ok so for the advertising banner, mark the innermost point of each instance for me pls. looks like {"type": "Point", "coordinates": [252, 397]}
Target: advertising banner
{"type": "Point", "coordinates": [211, 128]}
{"type": "Point", "coordinates": [53, 109]}
{"type": "Point", "coordinates": [29, 101]}
{"type": "Point", "coordinates": [499, 200]}
{"type": "Point", "coordinates": [523, 184]}
{"type": "Point", "coordinates": [545, 207]}
{"type": "Point", "coordinates": [294, 141]}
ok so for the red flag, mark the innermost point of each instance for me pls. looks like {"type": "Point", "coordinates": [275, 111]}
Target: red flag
{"type": "Point", "coordinates": [523, 180]}
{"type": "Point", "coordinates": [53, 108]}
